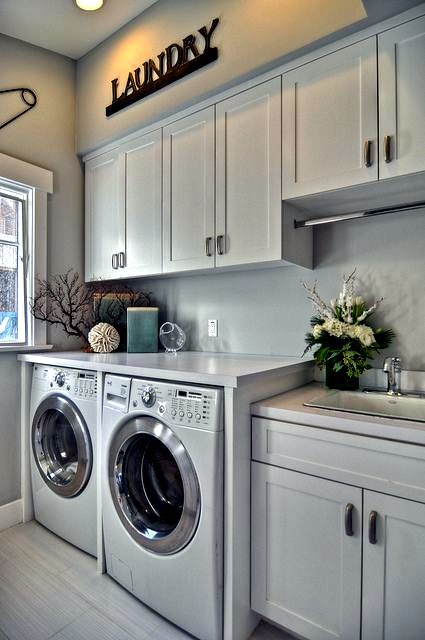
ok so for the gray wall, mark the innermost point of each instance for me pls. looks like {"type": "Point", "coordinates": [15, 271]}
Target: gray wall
{"type": "Point", "coordinates": [266, 311]}
{"type": "Point", "coordinates": [45, 136]}
{"type": "Point", "coordinates": [9, 428]}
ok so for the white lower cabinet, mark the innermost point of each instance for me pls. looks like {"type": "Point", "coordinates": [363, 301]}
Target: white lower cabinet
{"type": "Point", "coordinates": [330, 560]}
{"type": "Point", "coordinates": [393, 568]}
{"type": "Point", "coordinates": [306, 553]}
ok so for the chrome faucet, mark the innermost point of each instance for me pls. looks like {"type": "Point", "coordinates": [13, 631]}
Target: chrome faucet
{"type": "Point", "coordinates": [392, 367]}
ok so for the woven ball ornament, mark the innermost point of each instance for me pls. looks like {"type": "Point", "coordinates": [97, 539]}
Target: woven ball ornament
{"type": "Point", "coordinates": [103, 338]}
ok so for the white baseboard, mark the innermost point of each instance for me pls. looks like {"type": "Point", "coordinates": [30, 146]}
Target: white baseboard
{"type": "Point", "coordinates": [10, 514]}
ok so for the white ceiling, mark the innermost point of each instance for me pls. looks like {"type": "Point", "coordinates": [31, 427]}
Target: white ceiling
{"type": "Point", "coordinates": [60, 26]}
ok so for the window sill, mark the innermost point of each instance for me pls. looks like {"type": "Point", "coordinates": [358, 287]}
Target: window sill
{"type": "Point", "coordinates": [25, 348]}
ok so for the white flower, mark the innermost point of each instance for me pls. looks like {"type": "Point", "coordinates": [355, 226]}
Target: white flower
{"type": "Point", "coordinates": [317, 330]}
{"type": "Point", "coordinates": [365, 335]}
{"type": "Point", "coordinates": [362, 333]}
{"type": "Point", "coordinates": [341, 306]}
{"type": "Point", "coordinates": [334, 327]}
{"type": "Point", "coordinates": [344, 329]}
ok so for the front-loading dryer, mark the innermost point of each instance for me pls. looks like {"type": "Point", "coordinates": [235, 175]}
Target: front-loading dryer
{"type": "Point", "coordinates": [162, 498]}
{"type": "Point", "coordinates": [63, 453]}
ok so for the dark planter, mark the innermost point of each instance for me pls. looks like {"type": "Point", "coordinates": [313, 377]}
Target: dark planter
{"type": "Point", "coordinates": [340, 379]}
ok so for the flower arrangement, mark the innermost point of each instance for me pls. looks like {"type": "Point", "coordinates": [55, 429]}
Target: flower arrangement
{"type": "Point", "coordinates": [342, 332]}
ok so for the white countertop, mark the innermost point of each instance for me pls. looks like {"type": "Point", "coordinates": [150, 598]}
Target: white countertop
{"type": "Point", "coordinates": [218, 369]}
{"type": "Point", "coordinates": [289, 407]}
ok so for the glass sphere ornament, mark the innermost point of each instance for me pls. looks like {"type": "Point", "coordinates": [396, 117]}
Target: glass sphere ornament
{"type": "Point", "coordinates": [172, 337]}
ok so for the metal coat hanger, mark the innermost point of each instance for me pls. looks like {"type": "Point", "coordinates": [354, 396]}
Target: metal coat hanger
{"type": "Point", "coordinates": [27, 96]}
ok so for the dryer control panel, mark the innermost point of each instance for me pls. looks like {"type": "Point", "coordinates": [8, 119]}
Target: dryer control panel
{"type": "Point", "coordinates": [73, 383]}
{"type": "Point", "coordinates": [192, 406]}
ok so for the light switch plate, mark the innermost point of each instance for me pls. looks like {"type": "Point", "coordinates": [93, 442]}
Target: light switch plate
{"type": "Point", "coordinates": [212, 329]}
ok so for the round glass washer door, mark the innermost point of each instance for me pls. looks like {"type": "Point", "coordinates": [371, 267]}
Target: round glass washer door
{"type": "Point", "coordinates": [154, 485]}
{"type": "Point", "coordinates": [61, 446]}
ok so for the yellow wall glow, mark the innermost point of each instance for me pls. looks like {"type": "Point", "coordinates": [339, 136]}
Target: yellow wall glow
{"type": "Point", "coordinates": [251, 36]}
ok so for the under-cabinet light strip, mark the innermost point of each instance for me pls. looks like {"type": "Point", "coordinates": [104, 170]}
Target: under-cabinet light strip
{"type": "Point", "coordinates": [342, 217]}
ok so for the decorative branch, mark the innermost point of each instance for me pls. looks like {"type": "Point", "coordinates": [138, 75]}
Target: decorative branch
{"type": "Point", "coordinates": [66, 301]}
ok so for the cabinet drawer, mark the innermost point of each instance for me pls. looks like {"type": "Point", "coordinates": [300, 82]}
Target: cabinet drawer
{"type": "Point", "coordinates": [382, 465]}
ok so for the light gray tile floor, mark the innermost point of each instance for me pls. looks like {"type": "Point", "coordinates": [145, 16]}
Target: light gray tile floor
{"type": "Point", "coordinates": [51, 591]}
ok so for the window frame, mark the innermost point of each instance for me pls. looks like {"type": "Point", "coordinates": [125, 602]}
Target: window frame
{"type": "Point", "coordinates": [25, 258]}
{"type": "Point", "coordinates": [38, 182]}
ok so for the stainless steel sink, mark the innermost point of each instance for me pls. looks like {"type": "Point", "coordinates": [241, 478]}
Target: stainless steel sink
{"type": "Point", "coordinates": [373, 404]}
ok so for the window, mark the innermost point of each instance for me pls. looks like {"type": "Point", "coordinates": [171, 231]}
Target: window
{"type": "Point", "coordinates": [16, 272]}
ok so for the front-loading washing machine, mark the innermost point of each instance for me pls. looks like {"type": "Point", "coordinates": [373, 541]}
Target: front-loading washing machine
{"type": "Point", "coordinates": [162, 498]}
{"type": "Point", "coordinates": [63, 453]}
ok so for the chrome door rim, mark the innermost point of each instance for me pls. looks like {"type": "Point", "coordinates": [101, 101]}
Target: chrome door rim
{"type": "Point", "coordinates": [68, 409]}
{"type": "Point", "coordinates": [185, 529]}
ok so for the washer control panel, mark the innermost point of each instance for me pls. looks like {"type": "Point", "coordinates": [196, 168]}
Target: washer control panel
{"type": "Point", "coordinates": [71, 382]}
{"type": "Point", "coordinates": [200, 407]}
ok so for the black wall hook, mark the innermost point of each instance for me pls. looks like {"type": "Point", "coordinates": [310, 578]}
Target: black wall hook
{"type": "Point", "coordinates": [27, 96]}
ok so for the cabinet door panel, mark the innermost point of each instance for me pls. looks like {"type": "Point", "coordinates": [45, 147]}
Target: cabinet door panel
{"type": "Point", "coordinates": [394, 569]}
{"type": "Point", "coordinates": [329, 112]}
{"type": "Point", "coordinates": [143, 205]}
{"type": "Point", "coordinates": [189, 192]}
{"type": "Point", "coordinates": [248, 164]}
{"type": "Point", "coordinates": [306, 571]}
{"type": "Point", "coordinates": [402, 98]}
{"type": "Point", "coordinates": [105, 203]}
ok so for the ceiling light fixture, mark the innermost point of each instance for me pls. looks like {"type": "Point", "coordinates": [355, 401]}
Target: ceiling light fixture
{"type": "Point", "coordinates": [89, 5]}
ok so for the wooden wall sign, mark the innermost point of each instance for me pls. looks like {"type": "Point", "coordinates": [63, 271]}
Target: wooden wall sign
{"type": "Point", "coordinates": [171, 64]}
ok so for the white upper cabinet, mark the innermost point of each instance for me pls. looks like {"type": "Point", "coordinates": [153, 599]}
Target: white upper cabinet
{"type": "Point", "coordinates": [248, 187]}
{"type": "Point", "coordinates": [402, 99]}
{"type": "Point", "coordinates": [306, 553]}
{"type": "Point", "coordinates": [188, 192]}
{"type": "Point", "coordinates": [206, 191]}
{"type": "Point", "coordinates": [143, 160]}
{"type": "Point", "coordinates": [104, 215]}
{"type": "Point", "coordinates": [393, 568]}
{"type": "Point", "coordinates": [123, 211]}
{"type": "Point", "coordinates": [330, 127]}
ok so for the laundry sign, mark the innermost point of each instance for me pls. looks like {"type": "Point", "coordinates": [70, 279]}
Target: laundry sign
{"type": "Point", "coordinates": [176, 61]}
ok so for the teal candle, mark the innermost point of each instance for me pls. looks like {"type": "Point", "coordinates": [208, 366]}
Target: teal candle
{"type": "Point", "coordinates": [142, 329]}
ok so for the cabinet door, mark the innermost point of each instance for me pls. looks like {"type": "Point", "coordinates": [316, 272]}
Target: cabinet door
{"type": "Point", "coordinates": [306, 570]}
{"type": "Point", "coordinates": [248, 162]}
{"type": "Point", "coordinates": [105, 210]}
{"type": "Point", "coordinates": [402, 99]}
{"type": "Point", "coordinates": [329, 119]}
{"type": "Point", "coordinates": [189, 192]}
{"type": "Point", "coordinates": [394, 569]}
{"type": "Point", "coordinates": [143, 159]}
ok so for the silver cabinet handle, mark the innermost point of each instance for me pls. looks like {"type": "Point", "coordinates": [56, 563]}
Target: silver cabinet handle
{"type": "Point", "coordinates": [387, 149]}
{"type": "Point", "coordinates": [348, 519]}
{"type": "Point", "coordinates": [373, 516]}
{"type": "Point", "coordinates": [208, 241]}
{"type": "Point", "coordinates": [115, 260]}
{"type": "Point", "coordinates": [367, 153]}
{"type": "Point", "coordinates": [220, 244]}
{"type": "Point", "coordinates": [121, 259]}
